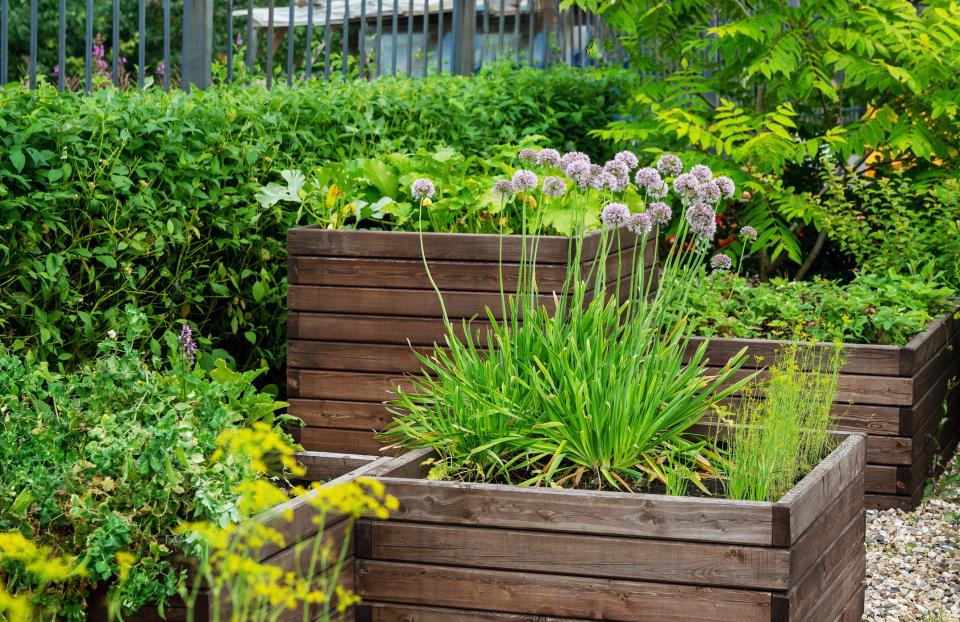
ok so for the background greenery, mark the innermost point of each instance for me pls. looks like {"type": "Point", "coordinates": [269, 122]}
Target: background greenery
{"type": "Point", "coordinates": [150, 199]}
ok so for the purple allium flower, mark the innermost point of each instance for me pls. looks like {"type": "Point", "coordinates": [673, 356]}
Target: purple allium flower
{"type": "Point", "coordinates": [658, 192]}
{"type": "Point", "coordinates": [570, 158]}
{"type": "Point", "coordinates": [617, 168]}
{"type": "Point", "coordinates": [616, 184]}
{"type": "Point", "coordinates": [614, 214]}
{"type": "Point", "coordinates": [721, 262]}
{"type": "Point", "coordinates": [726, 185]}
{"type": "Point", "coordinates": [239, 40]}
{"type": "Point", "coordinates": [669, 165]}
{"type": "Point", "coordinates": [554, 186]}
{"type": "Point", "coordinates": [709, 192]}
{"type": "Point", "coordinates": [422, 189]}
{"type": "Point", "coordinates": [640, 223]}
{"type": "Point", "coordinates": [627, 158]}
{"type": "Point", "coordinates": [548, 157]}
{"type": "Point", "coordinates": [749, 233]}
{"type": "Point", "coordinates": [579, 172]}
{"type": "Point", "coordinates": [528, 156]}
{"type": "Point", "coordinates": [187, 346]}
{"type": "Point", "coordinates": [702, 172]}
{"type": "Point", "coordinates": [702, 220]}
{"type": "Point", "coordinates": [686, 185]}
{"type": "Point", "coordinates": [660, 212]}
{"type": "Point", "coordinates": [503, 187]}
{"type": "Point", "coordinates": [524, 180]}
{"type": "Point", "coordinates": [648, 178]}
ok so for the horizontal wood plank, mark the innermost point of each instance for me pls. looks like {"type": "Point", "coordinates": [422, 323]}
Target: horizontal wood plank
{"type": "Point", "coordinates": [581, 511]}
{"type": "Point", "coordinates": [312, 240]}
{"type": "Point", "coordinates": [857, 389]}
{"type": "Point", "coordinates": [333, 439]}
{"type": "Point", "coordinates": [340, 414]}
{"type": "Point", "coordinates": [325, 465]}
{"type": "Point", "coordinates": [692, 563]}
{"type": "Point", "coordinates": [390, 612]}
{"type": "Point", "coordinates": [556, 595]}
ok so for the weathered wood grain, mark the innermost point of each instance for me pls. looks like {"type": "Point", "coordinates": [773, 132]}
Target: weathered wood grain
{"type": "Point", "coordinates": [855, 388]}
{"type": "Point", "coordinates": [336, 439]}
{"type": "Point", "coordinates": [555, 595]}
{"type": "Point", "coordinates": [312, 240]}
{"type": "Point", "coordinates": [826, 529]}
{"type": "Point", "coordinates": [387, 612]}
{"type": "Point", "coordinates": [642, 559]}
{"type": "Point", "coordinates": [579, 511]}
{"type": "Point", "coordinates": [322, 466]}
{"type": "Point", "coordinates": [339, 414]}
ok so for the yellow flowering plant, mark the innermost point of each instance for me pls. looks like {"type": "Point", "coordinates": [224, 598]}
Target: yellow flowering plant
{"type": "Point", "coordinates": [241, 574]}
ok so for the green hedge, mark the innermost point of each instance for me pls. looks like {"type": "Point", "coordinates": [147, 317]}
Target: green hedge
{"type": "Point", "coordinates": [149, 199]}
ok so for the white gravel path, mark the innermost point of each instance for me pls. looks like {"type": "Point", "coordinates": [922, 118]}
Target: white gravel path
{"type": "Point", "coordinates": [913, 558]}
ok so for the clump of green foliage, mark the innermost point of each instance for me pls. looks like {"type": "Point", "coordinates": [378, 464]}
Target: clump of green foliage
{"type": "Point", "coordinates": [109, 459]}
{"type": "Point", "coordinates": [374, 193]}
{"type": "Point", "coordinates": [784, 91]}
{"type": "Point", "coordinates": [779, 430]}
{"type": "Point", "coordinates": [596, 392]}
{"type": "Point", "coordinates": [150, 199]}
{"type": "Point", "coordinates": [888, 308]}
{"type": "Point", "coordinates": [895, 223]}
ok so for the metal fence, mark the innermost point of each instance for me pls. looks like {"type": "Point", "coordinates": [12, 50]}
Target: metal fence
{"type": "Point", "coordinates": [203, 42]}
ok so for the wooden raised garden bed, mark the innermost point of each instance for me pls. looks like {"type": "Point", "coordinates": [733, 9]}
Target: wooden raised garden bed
{"type": "Point", "coordinates": [904, 398]}
{"type": "Point", "coordinates": [299, 535]}
{"type": "Point", "coordinates": [458, 552]}
{"type": "Point", "coordinates": [358, 301]}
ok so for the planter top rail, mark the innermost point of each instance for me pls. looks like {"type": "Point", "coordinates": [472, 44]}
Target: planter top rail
{"type": "Point", "coordinates": [314, 240]}
{"type": "Point", "coordinates": [642, 515]}
{"type": "Point", "coordinates": [867, 359]}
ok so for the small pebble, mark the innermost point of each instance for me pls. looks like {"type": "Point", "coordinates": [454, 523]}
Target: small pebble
{"type": "Point", "coordinates": [913, 558]}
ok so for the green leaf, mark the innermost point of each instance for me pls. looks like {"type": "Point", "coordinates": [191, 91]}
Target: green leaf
{"type": "Point", "coordinates": [18, 159]}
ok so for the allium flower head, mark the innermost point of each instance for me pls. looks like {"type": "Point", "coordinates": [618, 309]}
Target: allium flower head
{"type": "Point", "coordinates": [721, 262]}
{"type": "Point", "coordinates": [503, 187]}
{"type": "Point", "coordinates": [726, 185]}
{"type": "Point", "coordinates": [640, 224]}
{"type": "Point", "coordinates": [579, 172]}
{"type": "Point", "coordinates": [614, 214]}
{"type": "Point", "coordinates": [709, 192]}
{"type": "Point", "coordinates": [614, 183]}
{"type": "Point", "coordinates": [669, 165]}
{"type": "Point", "coordinates": [627, 158]}
{"type": "Point", "coordinates": [524, 180]}
{"type": "Point", "coordinates": [187, 346]}
{"type": "Point", "coordinates": [554, 186]}
{"type": "Point", "coordinates": [570, 158]}
{"type": "Point", "coordinates": [548, 157]}
{"type": "Point", "coordinates": [617, 168]}
{"type": "Point", "coordinates": [658, 192]}
{"type": "Point", "coordinates": [702, 172]}
{"type": "Point", "coordinates": [528, 156]}
{"type": "Point", "coordinates": [422, 189]}
{"type": "Point", "coordinates": [648, 178]}
{"type": "Point", "coordinates": [686, 185]}
{"type": "Point", "coordinates": [749, 233]}
{"type": "Point", "coordinates": [660, 212]}
{"type": "Point", "coordinates": [702, 220]}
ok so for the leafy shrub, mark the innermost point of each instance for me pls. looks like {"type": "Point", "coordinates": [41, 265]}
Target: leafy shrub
{"type": "Point", "coordinates": [895, 223]}
{"type": "Point", "coordinates": [880, 309]}
{"type": "Point", "coordinates": [150, 199]}
{"type": "Point", "coordinates": [108, 460]}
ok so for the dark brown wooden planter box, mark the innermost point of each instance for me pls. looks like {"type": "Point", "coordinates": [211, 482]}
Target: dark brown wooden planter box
{"type": "Point", "coordinates": [358, 301]}
{"type": "Point", "coordinates": [299, 535]}
{"type": "Point", "coordinates": [903, 398]}
{"type": "Point", "coordinates": [461, 552]}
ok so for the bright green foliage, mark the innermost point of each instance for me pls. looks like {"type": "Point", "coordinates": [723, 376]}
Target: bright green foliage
{"type": "Point", "coordinates": [880, 309]}
{"type": "Point", "coordinates": [783, 424]}
{"type": "Point", "coordinates": [594, 393]}
{"type": "Point", "coordinates": [775, 87]}
{"type": "Point", "coordinates": [375, 193]}
{"type": "Point", "coordinates": [151, 199]}
{"type": "Point", "coordinates": [895, 223]}
{"type": "Point", "coordinates": [111, 458]}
